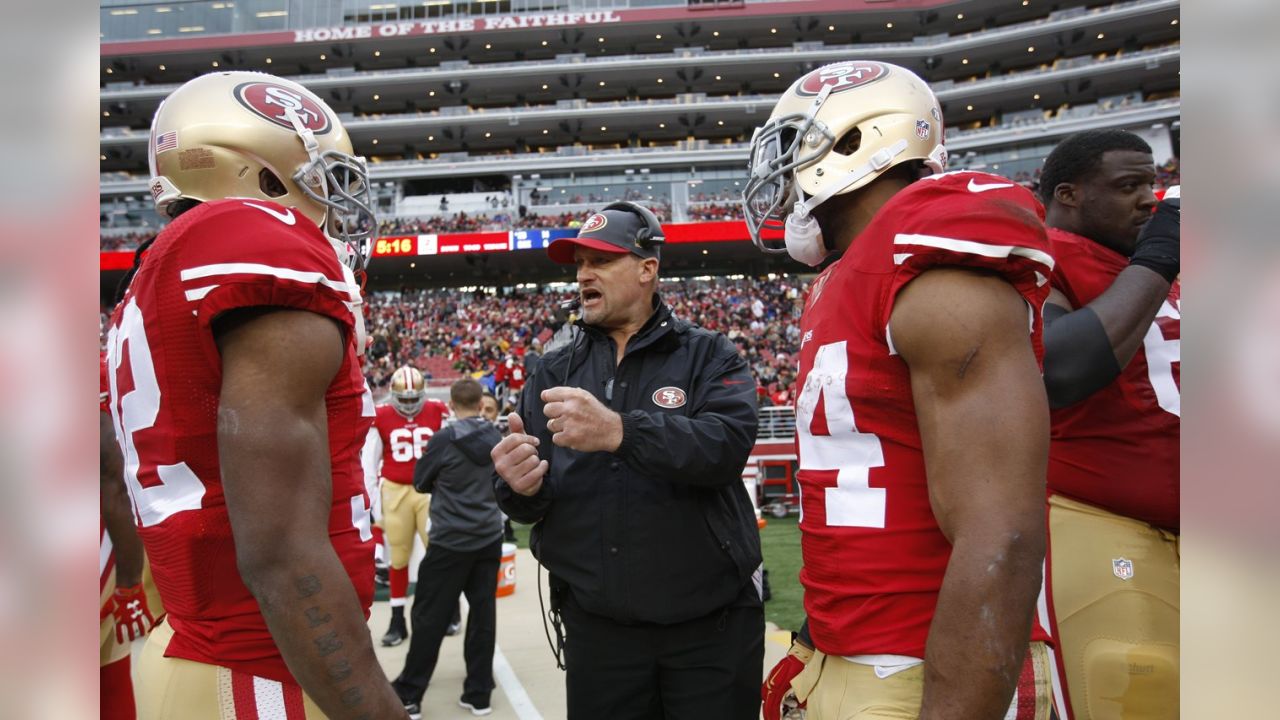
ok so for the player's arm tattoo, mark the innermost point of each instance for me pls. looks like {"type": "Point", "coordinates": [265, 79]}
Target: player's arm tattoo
{"type": "Point", "coordinates": [328, 643]}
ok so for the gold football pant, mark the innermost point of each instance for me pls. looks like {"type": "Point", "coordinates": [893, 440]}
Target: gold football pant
{"type": "Point", "coordinates": [404, 512]}
{"type": "Point", "coordinates": [177, 689]}
{"type": "Point", "coordinates": [838, 689]}
{"type": "Point", "coordinates": [1113, 591]}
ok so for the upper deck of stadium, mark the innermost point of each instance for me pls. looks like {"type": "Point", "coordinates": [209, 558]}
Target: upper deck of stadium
{"type": "Point", "coordinates": [561, 104]}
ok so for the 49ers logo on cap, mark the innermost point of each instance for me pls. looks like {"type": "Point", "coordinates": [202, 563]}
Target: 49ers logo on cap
{"type": "Point", "coordinates": [842, 76]}
{"type": "Point", "coordinates": [669, 397]}
{"type": "Point", "coordinates": [270, 101]}
{"type": "Point", "coordinates": [594, 223]}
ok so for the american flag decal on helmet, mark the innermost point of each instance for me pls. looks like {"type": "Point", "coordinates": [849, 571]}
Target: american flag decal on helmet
{"type": "Point", "coordinates": [167, 141]}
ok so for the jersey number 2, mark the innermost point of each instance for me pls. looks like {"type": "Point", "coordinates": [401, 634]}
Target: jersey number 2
{"type": "Point", "coordinates": [158, 491]}
{"type": "Point", "coordinates": [852, 502]}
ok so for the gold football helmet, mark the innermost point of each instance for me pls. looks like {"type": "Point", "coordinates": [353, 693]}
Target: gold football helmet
{"type": "Point", "coordinates": [833, 131]}
{"type": "Point", "coordinates": [408, 391]}
{"type": "Point", "coordinates": [254, 135]}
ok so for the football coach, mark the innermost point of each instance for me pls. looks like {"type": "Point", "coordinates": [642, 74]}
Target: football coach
{"type": "Point", "coordinates": [626, 451]}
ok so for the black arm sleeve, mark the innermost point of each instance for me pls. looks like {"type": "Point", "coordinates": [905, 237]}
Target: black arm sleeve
{"type": "Point", "coordinates": [1078, 358]}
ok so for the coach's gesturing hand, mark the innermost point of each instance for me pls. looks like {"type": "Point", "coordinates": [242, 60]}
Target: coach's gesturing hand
{"type": "Point", "coordinates": [579, 421]}
{"type": "Point", "coordinates": [516, 459]}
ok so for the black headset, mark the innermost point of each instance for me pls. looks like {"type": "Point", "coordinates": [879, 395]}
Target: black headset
{"type": "Point", "coordinates": [650, 233]}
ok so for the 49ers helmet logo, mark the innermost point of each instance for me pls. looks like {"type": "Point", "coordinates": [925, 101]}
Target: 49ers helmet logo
{"type": "Point", "coordinates": [841, 76]}
{"type": "Point", "coordinates": [594, 223]}
{"type": "Point", "coordinates": [669, 397]}
{"type": "Point", "coordinates": [270, 101]}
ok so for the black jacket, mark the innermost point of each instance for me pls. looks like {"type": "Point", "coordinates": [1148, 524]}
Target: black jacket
{"type": "Point", "coordinates": [662, 530]}
{"type": "Point", "coordinates": [458, 472]}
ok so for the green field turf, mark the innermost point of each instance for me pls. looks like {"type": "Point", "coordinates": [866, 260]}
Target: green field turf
{"type": "Point", "coordinates": [780, 541]}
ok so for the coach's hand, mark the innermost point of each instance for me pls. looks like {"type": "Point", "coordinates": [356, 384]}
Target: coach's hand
{"type": "Point", "coordinates": [579, 421]}
{"type": "Point", "coordinates": [516, 459]}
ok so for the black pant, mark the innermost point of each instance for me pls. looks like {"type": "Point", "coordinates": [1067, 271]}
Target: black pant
{"type": "Point", "coordinates": [442, 575]}
{"type": "Point", "coordinates": [709, 667]}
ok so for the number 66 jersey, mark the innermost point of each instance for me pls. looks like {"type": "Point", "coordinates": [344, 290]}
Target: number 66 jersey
{"type": "Point", "coordinates": [165, 376]}
{"type": "Point", "coordinates": [874, 557]}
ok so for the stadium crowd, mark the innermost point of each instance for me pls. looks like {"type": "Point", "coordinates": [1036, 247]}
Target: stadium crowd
{"type": "Point", "coordinates": [447, 333]}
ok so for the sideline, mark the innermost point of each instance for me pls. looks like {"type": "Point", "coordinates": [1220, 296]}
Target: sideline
{"type": "Point", "coordinates": [506, 678]}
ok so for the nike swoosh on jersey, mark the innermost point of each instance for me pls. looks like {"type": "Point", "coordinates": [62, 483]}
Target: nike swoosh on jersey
{"type": "Point", "coordinates": [978, 187]}
{"type": "Point", "coordinates": [285, 217]}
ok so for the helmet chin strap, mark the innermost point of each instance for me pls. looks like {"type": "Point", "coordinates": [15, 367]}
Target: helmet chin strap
{"type": "Point", "coordinates": [312, 146]}
{"type": "Point", "coordinates": [879, 161]}
{"type": "Point", "coordinates": [802, 234]}
{"type": "Point", "coordinates": [340, 249]}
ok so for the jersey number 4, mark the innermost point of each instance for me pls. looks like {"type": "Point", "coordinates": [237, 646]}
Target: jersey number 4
{"type": "Point", "coordinates": [852, 502]}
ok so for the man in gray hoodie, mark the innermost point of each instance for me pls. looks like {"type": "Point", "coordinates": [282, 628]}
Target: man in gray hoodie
{"type": "Point", "coordinates": [463, 554]}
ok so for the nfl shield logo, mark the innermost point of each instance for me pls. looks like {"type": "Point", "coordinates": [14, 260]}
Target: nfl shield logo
{"type": "Point", "coordinates": [1122, 568]}
{"type": "Point", "coordinates": [922, 129]}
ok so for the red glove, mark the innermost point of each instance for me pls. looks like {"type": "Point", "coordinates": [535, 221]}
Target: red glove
{"type": "Point", "coordinates": [133, 617]}
{"type": "Point", "coordinates": [777, 687]}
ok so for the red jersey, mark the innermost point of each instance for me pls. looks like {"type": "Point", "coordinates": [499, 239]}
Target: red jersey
{"type": "Point", "coordinates": [165, 375]}
{"type": "Point", "coordinates": [1119, 448]}
{"type": "Point", "coordinates": [403, 439]}
{"type": "Point", "coordinates": [874, 557]}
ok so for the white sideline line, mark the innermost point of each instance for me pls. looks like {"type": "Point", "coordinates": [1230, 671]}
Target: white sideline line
{"type": "Point", "coordinates": [511, 687]}
{"type": "Point", "coordinates": [505, 676]}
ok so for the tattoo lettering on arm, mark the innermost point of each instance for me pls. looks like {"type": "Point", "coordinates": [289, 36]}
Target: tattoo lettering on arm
{"type": "Point", "coordinates": [317, 617]}
{"type": "Point", "coordinates": [328, 643]}
{"type": "Point", "coordinates": [340, 670]}
{"type": "Point", "coordinates": [307, 586]}
{"type": "Point", "coordinates": [352, 697]}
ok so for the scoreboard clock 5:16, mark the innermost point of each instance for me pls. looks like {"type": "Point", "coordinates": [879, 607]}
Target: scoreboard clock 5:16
{"type": "Point", "coordinates": [393, 246]}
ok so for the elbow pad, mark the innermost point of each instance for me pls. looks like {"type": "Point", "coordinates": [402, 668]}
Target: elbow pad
{"type": "Point", "coordinates": [1078, 357]}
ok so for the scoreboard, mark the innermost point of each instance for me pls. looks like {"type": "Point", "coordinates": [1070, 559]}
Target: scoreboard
{"type": "Point", "coordinates": [484, 242]}
{"type": "Point", "coordinates": [537, 239]}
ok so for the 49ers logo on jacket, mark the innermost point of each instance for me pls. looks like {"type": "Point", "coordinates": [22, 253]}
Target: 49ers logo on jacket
{"type": "Point", "coordinates": [594, 223]}
{"type": "Point", "coordinates": [271, 101]}
{"type": "Point", "coordinates": [842, 76]}
{"type": "Point", "coordinates": [669, 397]}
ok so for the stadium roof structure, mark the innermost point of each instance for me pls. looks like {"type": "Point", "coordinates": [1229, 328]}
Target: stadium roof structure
{"type": "Point", "coordinates": [520, 95]}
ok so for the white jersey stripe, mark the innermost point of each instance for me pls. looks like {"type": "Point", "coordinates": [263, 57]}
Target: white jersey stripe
{"type": "Point", "coordinates": [199, 293]}
{"type": "Point", "coordinates": [205, 271]}
{"type": "Point", "coordinates": [974, 248]}
{"type": "Point", "coordinates": [268, 697]}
